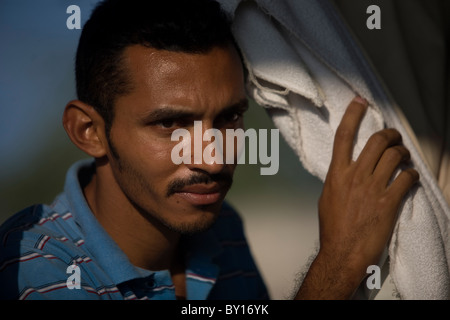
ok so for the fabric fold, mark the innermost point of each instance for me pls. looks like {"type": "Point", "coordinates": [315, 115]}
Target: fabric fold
{"type": "Point", "coordinates": [304, 67]}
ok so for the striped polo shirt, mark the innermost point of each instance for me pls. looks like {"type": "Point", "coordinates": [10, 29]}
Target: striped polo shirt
{"type": "Point", "coordinates": [60, 251]}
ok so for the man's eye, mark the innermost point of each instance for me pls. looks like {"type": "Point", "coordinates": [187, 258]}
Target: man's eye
{"type": "Point", "coordinates": [233, 117]}
{"type": "Point", "coordinates": [167, 124]}
{"type": "Point", "coordinates": [228, 119]}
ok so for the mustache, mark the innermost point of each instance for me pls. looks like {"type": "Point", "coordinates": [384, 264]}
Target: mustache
{"type": "Point", "coordinates": [225, 180]}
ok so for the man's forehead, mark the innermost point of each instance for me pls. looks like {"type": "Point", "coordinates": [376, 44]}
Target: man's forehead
{"type": "Point", "coordinates": [166, 60]}
{"type": "Point", "coordinates": [168, 80]}
{"type": "Point", "coordinates": [147, 61]}
{"type": "Point", "coordinates": [145, 64]}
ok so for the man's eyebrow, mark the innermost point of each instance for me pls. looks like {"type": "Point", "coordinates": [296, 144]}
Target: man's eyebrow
{"type": "Point", "coordinates": [178, 112]}
{"type": "Point", "coordinates": [240, 106]}
{"type": "Point", "coordinates": [167, 112]}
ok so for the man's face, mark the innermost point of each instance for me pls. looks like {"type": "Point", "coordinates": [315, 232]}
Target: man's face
{"type": "Point", "coordinates": [170, 91]}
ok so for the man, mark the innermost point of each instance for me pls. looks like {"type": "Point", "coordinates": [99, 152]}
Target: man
{"type": "Point", "coordinates": [132, 224]}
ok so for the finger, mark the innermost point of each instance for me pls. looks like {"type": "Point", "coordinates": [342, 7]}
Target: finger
{"type": "Point", "coordinates": [346, 132]}
{"type": "Point", "coordinates": [403, 183]}
{"type": "Point", "coordinates": [374, 149]}
{"type": "Point", "coordinates": [389, 162]}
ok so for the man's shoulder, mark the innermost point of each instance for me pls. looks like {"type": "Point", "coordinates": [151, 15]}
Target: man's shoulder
{"type": "Point", "coordinates": [28, 221]}
{"type": "Point", "coordinates": [35, 221]}
{"type": "Point", "coordinates": [229, 211]}
{"type": "Point", "coordinates": [36, 246]}
{"type": "Point", "coordinates": [237, 266]}
{"type": "Point", "coordinates": [229, 222]}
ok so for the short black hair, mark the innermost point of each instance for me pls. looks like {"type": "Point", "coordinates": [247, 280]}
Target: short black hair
{"type": "Point", "coordinates": [191, 26]}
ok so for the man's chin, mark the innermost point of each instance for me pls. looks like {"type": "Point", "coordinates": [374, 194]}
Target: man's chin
{"type": "Point", "coordinates": [195, 220]}
{"type": "Point", "coordinates": [194, 226]}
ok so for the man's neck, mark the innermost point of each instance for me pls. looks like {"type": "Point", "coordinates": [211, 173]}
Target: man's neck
{"type": "Point", "coordinates": [147, 243]}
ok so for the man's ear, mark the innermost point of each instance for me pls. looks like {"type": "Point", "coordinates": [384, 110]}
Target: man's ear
{"type": "Point", "coordinates": [86, 128]}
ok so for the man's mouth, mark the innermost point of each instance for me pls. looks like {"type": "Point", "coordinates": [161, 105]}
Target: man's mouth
{"type": "Point", "coordinates": [201, 190]}
{"type": "Point", "coordinates": [202, 194]}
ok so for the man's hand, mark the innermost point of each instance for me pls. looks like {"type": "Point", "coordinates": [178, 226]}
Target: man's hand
{"type": "Point", "coordinates": [358, 207]}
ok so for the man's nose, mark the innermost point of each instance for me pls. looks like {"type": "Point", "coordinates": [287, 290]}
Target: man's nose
{"type": "Point", "coordinates": [207, 148]}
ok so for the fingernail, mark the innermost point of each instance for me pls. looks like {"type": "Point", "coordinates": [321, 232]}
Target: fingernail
{"type": "Point", "coordinates": [361, 101]}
